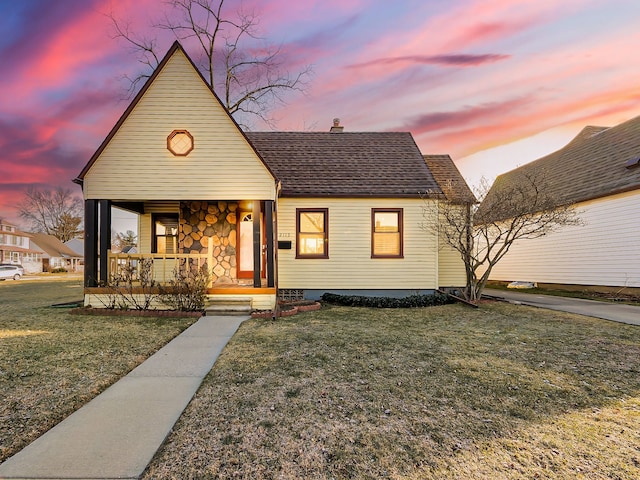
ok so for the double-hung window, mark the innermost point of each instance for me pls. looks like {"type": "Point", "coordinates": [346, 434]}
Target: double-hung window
{"type": "Point", "coordinates": [386, 233]}
{"type": "Point", "coordinates": [312, 232]}
{"type": "Point", "coordinates": [165, 233]}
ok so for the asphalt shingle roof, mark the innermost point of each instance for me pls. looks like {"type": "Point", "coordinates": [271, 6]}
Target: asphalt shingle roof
{"type": "Point", "coordinates": [592, 165]}
{"type": "Point", "coordinates": [52, 246]}
{"type": "Point", "coordinates": [346, 164]}
{"type": "Point", "coordinates": [451, 182]}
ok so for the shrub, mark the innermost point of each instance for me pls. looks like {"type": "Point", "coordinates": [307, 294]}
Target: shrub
{"type": "Point", "coordinates": [411, 301]}
{"type": "Point", "coordinates": [131, 286]}
{"type": "Point", "coordinates": [187, 290]}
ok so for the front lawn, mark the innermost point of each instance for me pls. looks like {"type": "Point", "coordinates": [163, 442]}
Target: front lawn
{"type": "Point", "coordinates": [51, 362]}
{"type": "Point", "coordinates": [505, 391]}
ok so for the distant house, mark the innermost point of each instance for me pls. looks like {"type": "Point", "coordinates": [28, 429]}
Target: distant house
{"type": "Point", "coordinates": [57, 254]}
{"type": "Point", "coordinates": [289, 213]}
{"type": "Point", "coordinates": [16, 247]}
{"type": "Point", "coordinates": [77, 245]}
{"type": "Point", "coordinates": [599, 173]}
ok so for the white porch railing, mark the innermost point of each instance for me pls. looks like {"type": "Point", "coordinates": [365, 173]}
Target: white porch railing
{"type": "Point", "coordinates": [163, 266]}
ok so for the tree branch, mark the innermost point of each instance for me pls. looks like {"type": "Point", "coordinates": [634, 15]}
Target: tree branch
{"type": "Point", "coordinates": [248, 79]}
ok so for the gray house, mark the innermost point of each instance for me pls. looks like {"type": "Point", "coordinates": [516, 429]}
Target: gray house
{"type": "Point", "coordinates": [599, 173]}
{"type": "Point", "coordinates": [57, 254]}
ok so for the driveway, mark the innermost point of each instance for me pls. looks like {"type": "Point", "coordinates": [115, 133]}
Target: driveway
{"type": "Point", "coordinates": [609, 311]}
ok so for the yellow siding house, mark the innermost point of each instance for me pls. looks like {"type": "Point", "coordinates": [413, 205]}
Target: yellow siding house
{"type": "Point", "coordinates": [294, 214]}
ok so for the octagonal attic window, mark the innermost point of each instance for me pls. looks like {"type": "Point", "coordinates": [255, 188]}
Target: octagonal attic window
{"type": "Point", "coordinates": [180, 143]}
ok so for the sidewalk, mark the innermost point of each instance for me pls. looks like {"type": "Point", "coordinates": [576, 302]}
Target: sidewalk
{"type": "Point", "coordinates": [117, 433]}
{"type": "Point", "coordinates": [616, 312]}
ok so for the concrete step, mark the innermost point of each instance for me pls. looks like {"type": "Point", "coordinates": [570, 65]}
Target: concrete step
{"type": "Point", "coordinates": [228, 306]}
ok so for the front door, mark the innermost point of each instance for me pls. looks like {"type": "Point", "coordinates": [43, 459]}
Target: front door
{"type": "Point", "coordinates": [245, 245]}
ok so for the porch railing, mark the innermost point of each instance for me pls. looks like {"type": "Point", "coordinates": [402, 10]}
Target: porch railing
{"type": "Point", "coordinates": [163, 266]}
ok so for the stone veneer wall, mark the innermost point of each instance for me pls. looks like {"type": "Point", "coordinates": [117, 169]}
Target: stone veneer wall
{"type": "Point", "coordinates": [215, 220]}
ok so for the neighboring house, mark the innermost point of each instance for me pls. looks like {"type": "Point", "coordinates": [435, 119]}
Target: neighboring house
{"type": "Point", "coordinates": [16, 247]}
{"type": "Point", "coordinates": [57, 254]}
{"type": "Point", "coordinates": [289, 213]}
{"type": "Point", "coordinates": [599, 173]}
{"type": "Point", "coordinates": [77, 245]}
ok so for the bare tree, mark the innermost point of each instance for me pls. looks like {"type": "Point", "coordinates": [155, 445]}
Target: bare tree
{"type": "Point", "coordinates": [121, 240]}
{"type": "Point", "coordinates": [55, 212]}
{"type": "Point", "coordinates": [249, 81]}
{"type": "Point", "coordinates": [483, 233]}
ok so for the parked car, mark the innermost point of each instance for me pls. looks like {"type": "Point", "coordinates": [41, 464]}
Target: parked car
{"type": "Point", "coordinates": [11, 271]}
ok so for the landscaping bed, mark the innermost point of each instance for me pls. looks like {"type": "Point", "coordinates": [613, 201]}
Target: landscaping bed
{"type": "Point", "coordinates": [119, 312]}
{"type": "Point", "coordinates": [287, 309]}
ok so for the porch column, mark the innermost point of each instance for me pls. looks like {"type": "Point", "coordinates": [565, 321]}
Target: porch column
{"type": "Point", "coordinates": [90, 243]}
{"type": "Point", "coordinates": [257, 254]}
{"type": "Point", "coordinates": [105, 239]}
{"type": "Point", "coordinates": [269, 232]}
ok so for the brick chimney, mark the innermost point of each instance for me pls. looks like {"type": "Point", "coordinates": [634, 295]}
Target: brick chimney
{"type": "Point", "coordinates": [336, 128]}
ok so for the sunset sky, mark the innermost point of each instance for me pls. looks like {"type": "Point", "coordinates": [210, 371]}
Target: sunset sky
{"type": "Point", "coordinates": [493, 83]}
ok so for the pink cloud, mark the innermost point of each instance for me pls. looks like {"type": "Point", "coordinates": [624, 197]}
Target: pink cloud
{"type": "Point", "coordinates": [482, 21]}
{"type": "Point", "coordinates": [463, 30]}
{"type": "Point", "coordinates": [79, 48]}
{"type": "Point", "coordinates": [442, 121]}
{"type": "Point", "coordinates": [459, 60]}
{"type": "Point", "coordinates": [281, 14]}
{"type": "Point", "coordinates": [461, 133]}
{"type": "Point", "coordinates": [63, 54]}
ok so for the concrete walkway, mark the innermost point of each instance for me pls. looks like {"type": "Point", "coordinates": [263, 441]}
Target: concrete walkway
{"type": "Point", "coordinates": [117, 433]}
{"type": "Point", "coordinates": [616, 312]}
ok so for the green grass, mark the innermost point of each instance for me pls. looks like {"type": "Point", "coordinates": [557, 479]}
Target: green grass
{"type": "Point", "coordinates": [443, 392]}
{"type": "Point", "coordinates": [51, 362]}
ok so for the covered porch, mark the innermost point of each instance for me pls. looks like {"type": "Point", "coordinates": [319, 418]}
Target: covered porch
{"type": "Point", "coordinates": [234, 240]}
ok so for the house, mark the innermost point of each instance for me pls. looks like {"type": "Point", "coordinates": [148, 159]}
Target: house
{"type": "Point", "coordinates": [293, 214]}
{"type": "Point", "coordinates": [454, 190]}
{"type": "Point", "coordinates": [598, 172]}
{"type": "Point", "coordinates": [77, 245]}
{"type": "Point", "coordinates": [16, 247]}
{"type": "Point", "coordinates": [56, 254]}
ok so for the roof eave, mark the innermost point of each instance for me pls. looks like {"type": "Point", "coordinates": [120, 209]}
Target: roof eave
{"type": "Point", "coordinates": [285, 194]}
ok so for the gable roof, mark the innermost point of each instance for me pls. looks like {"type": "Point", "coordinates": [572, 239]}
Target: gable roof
{"type": "Point", "coordinates": [76, 245]}
{"type": "Point", "coordinates": [345, 164]}
{"type": "Point", "coordinates": [592, 165]}
{"type": "Point", "coordinates": [453, 185]}
{"type": "Point", "coordinates": [52, 246]}
{"type": "Point", "coordinates": [176, 47]}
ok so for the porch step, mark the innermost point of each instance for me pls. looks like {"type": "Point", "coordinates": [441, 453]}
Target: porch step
{"type": "Point", "coordinates": [228, 306]}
